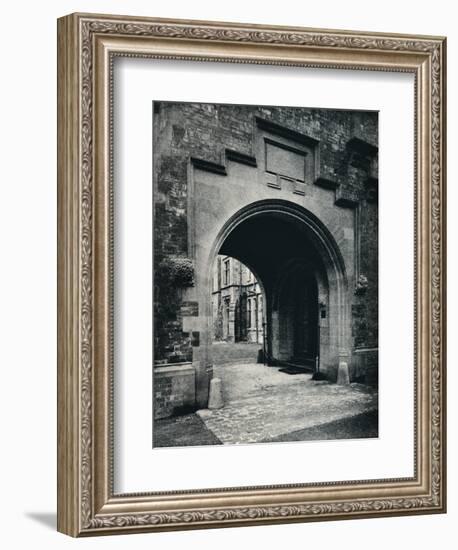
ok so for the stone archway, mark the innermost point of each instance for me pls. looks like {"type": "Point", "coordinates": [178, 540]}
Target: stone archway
{"type": "Point", "coordinates": [226, 175]}
{"type": "Point", "coordinates": [276, 238]}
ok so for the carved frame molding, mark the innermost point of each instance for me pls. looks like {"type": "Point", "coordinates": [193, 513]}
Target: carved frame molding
{"type": "Point", "coordinates": [87, 45]}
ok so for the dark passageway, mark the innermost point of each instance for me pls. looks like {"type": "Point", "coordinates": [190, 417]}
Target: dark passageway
{"type": "Point", "coordinates": [287, 265]}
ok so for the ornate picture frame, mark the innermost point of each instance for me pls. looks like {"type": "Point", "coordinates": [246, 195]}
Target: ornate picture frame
{"type": "Point", "coordinates": [87, 46]}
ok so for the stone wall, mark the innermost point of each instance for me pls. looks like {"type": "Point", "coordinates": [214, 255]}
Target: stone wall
{"type": "Point", "coordinates": [174, 390]}
{"type": "Point", "coordinates": [205, 131]}
{"type": "Point", "coordinates": [341, 152]}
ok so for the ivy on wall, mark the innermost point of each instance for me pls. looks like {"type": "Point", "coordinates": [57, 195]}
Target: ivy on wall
{"type": "Point", "coordinates": [179, 272]}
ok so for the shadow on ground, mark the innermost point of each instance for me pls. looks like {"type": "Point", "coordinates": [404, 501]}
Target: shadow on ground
{"type": "Point", "coordinates": [263, 404]}
{"type": "Point", "coordinates": [183, 431]}
{"type": "Point", "coordinates": [355, 427]}
{"type": "Point", "coordinates": [49, 520]}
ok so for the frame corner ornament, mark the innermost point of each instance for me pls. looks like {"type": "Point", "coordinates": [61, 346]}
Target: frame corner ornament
{"type": "Point", "coordinates": [87, 504]}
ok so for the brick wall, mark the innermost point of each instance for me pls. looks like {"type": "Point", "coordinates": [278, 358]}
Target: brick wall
{"type": "Point", "coordinates": [174, 390]}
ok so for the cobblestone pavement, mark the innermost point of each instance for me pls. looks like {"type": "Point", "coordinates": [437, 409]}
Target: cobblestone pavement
{"type": "Point", "coordinates": [262, 403]}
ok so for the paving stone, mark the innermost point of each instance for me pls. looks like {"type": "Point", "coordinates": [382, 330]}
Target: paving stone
{"type": "Point", "coordinates": [263, 403]}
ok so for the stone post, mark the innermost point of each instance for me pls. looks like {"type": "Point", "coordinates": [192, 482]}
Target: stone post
{"type": "Point", "coordinates": [215, 400]}
{"type": "Point", "coordinates": [343, 375]}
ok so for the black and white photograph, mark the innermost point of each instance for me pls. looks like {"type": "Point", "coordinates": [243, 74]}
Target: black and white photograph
{"type": "Point", "coordinates": [227, 236]}
{"type": "Point", "coordinates": [265, 274]}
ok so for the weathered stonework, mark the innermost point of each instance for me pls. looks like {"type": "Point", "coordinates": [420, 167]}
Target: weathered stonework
{"type": "Point", "coordinates": [213, 161]}
{"type": "Point", "coordinates": [174, 389]}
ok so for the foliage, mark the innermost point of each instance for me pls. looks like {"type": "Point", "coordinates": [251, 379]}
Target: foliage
{"type": "Point", "coordinates": [177, 271]}
{"type": "Point", "coordinates": [361, 285]}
